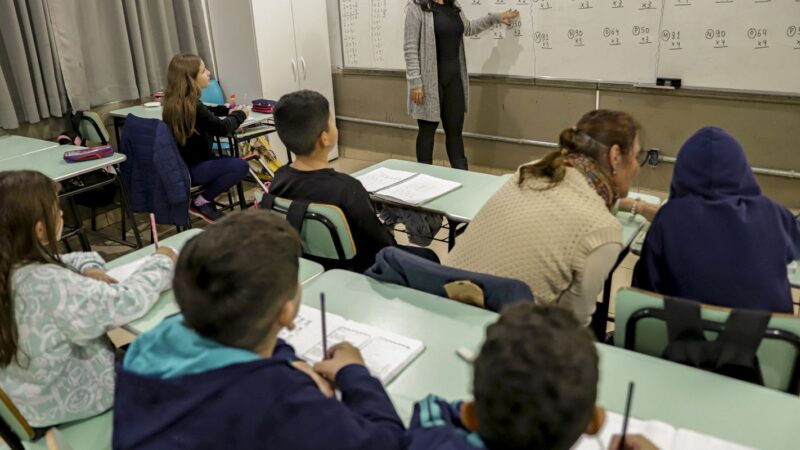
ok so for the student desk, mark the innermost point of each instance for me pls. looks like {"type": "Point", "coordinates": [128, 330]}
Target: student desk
{"type": "Point", "coordinates": [166, 305]}
{"type": "Point", "coordinates": [242, 134]}
{"type": "Point", "coordinates": [15, 146]}
{"type": "Point", "coordinates": [459, 206]}
{"type": "Point", "coordinates": [631, 227]}
{"type": "Point", "coordinates": [235, 139]}
{"type": "Point", "coordinates": [48, 157]}
{"type": "Point", "coordinates": [683, 396]}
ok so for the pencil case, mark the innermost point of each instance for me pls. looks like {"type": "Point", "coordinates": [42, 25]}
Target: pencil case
{"type": "Point", "coordinates": [85, 154]}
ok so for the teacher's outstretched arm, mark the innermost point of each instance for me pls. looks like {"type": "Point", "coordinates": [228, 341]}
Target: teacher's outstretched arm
{"type": "Point", "coordinates": [476, 26]}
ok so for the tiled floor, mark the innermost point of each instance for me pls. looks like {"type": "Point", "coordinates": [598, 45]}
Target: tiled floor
{"type": "Point", "coordinates": [355, 160]}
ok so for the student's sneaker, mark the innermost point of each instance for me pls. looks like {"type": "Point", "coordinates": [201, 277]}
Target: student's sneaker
{"type": "Point", "coordinates": [206, 212]}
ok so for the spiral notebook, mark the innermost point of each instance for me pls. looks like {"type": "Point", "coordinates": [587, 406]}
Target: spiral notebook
{"type": "Point", "coordinates": [405, 187]}
{"type": "Point", "coordinates": [386, 354]}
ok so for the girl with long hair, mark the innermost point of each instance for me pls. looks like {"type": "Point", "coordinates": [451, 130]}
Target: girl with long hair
{"type": "Point", "coordinates": [56, 363]}
{"type": "Point", "coordinates": [194, 125]}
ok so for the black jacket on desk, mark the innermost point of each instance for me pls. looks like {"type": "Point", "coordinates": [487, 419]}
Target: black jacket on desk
{"type": "Point", "coordinates": [207, 125]}
{"type": "Point", "coordinates": [342, 190]}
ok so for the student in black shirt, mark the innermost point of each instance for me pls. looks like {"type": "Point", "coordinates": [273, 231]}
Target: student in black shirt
{"type": "Point", "coordinates": [193, 125]}
{"type": "Point", "coordinates": [308, 129]}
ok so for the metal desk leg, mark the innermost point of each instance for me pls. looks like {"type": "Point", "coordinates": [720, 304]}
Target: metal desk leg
{"type": "Point", "coordinates": [451, 234]}
{"type": "Point", "coordinates": [600, 316]}
{"type": "Point", "coordinates": [85, 245]}
{"type": "Point", "coordinates": [126, 210]}
{"type": "Point", "coordinates": [234, 142]}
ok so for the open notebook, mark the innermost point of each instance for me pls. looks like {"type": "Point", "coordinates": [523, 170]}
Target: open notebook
{"type": "Point", "coordinates": [663, 435]}
{"type": "Point", "coordinates": [123, 272]}
{"type": "Point", "coordinates": [386, 354]}
{"type": "Point", "coordinates": [405, 187]}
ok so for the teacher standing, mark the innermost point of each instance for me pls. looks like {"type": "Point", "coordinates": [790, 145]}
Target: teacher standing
{"type": "Point", "coordinates": [436, 71]}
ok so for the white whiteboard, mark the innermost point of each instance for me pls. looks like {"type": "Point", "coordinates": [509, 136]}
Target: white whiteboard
{"type": "Point", "coordinates": [751, 45]}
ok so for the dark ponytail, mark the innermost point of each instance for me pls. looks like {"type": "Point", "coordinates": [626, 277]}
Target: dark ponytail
{"type": "Point", "coordinates": [593, 136]}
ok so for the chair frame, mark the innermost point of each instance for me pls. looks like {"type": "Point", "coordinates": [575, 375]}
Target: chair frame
{"type": "Point", "coordinates": [310, 215]}
{"type": "Point", "coordinates": [718, 327]}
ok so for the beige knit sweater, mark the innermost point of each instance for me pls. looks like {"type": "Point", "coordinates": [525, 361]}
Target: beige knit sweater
{"type": "Point", "coordinates": [542, 237]}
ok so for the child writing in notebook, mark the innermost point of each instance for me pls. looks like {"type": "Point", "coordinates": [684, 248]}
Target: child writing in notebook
{"type": "Point", "coordinates": [308, 129]}
{"type": "Point", "coordinates": [193, 126]}
{"type": "Point", "coordinates": [218, 374]}
{"type": "Point", "coordinates": [56, 363]}
{"type": "Point", "coordinates": [535, 387]}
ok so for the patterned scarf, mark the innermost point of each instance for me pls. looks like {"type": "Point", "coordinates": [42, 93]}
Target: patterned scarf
{"type": "Point", "coordinates": [596, 176]}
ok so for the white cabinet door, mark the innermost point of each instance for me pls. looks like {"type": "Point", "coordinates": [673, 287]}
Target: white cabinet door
{"type": "Point", "coordinates": [313, 49]}
{"type": "Point", "coordinates": [277, 56]}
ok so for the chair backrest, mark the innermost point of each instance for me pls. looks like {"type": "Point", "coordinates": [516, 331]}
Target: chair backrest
{"type": "Point", "coordinates": [92, 128]}
{"type": "Point", "coordinates": [213, 93]}
{"type": "Point", "coordinates": [325, 232]}
{"type": "Point", "coordinates": [154, 174]}
{"type": "Point", "coordinates": [13, 418]}
{"type": "Point", "coordinates": [640, 326]}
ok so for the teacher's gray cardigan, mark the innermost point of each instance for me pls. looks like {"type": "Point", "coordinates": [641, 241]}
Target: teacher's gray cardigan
{"type": "Point", "coordinates": [420, 53]}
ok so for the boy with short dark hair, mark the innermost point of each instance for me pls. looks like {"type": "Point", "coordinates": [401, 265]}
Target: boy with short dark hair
{"type": "Point", "coordinates": [308, 129]}
{"type": "Point", "coordinates": [218, 376]}
{"type": "Point", "coordinates": [535, 386]}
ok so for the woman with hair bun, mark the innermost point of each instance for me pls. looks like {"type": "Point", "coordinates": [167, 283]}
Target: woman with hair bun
{"type": "Point", "coordinates": [552, 225]}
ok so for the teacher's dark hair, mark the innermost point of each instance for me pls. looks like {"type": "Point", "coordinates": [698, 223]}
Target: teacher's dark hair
{"type": "Point", "coordinates": [427, 5]}
{"type": "Point", "coordinates": [593, 136]}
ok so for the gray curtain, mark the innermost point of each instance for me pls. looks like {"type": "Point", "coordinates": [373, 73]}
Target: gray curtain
{"type": "Point", "coordinates": [120, 50]}
{"type": "Point", "coordinates": [31, 87]}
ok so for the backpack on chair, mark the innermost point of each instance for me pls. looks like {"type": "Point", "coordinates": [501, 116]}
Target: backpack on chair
{"type": "Point", "coordinates": [93, 134]}
{"type": "Point", "coordinates": [732, 354]}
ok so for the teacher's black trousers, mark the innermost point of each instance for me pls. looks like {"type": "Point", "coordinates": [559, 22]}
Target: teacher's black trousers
{"type": "Point", "coordinates": [452, 107]}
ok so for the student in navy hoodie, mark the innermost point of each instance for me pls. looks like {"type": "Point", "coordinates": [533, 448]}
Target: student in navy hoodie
{"type": "Point", "coordinates": [718, 240]}
{"type": "Point", "coordinates": [218, 376]}
{"type": "Point", "coordinates": [535, 386]}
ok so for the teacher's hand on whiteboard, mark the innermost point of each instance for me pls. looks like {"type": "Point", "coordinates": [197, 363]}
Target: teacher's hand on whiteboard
{"type": "Point", "coordinates": [507, 16]}
{"type": "Point", "coordinates": [417, 94]}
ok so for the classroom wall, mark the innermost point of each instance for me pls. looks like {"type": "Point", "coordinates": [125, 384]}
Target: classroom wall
{"type": "Point", "coordinates": [768, 127]}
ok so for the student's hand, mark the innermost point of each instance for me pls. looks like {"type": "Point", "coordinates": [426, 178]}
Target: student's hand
{"type": "Point", "coordinates": [323, 384]}
{"type": "Point", "coordinates": [168, 252]}
{"type": "Point", "coordinates": [242, 108]}
{"type": "Point", "coordinates": [632, 442]}
{"type": "Point", "coordinates": [99, 275]}
{"type": "Point", "coordinates": [508, 16]}
{"type": "Point", "coordinates": [417, 94]}
{"type": "Point", "coordinates": [339, 356]}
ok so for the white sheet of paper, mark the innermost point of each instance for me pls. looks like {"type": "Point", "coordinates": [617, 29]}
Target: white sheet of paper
{"type": "Point", "coordinates": [123, 272]}
{"type": "Point", "coordinates": [386, 354]}
{"type": "Point", "coordinates": [793, 267]}
{"type": "Point", "coordinates": [662, 434]}
{"type": "Point", "coordinates": [418, 190]}
{"type": "Point", "coordinates": [382, 178]}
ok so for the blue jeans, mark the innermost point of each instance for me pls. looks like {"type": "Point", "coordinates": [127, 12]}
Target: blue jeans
{"type": "Point", "coordinates": [218, 175]}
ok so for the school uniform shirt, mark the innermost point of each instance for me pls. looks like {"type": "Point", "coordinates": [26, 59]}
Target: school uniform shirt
{"type": "Point", "coordinates": [177, 389]}
{"type": "Point", "coordinates": [207, 125]}
{"type": "Point", "coordinates": [342, 190]}
{"type": "Point", "coordinates": [718, 240]}
{"type": "Point", "coordinates": [436, 425]}
{"type": "Point", "coordinates": [65, 365]}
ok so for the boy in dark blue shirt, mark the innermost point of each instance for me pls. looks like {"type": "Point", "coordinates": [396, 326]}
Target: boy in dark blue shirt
{"type": "Point", "coordinates": [217, 376]}
{"type": "Point", "coordinates": [535, 386]}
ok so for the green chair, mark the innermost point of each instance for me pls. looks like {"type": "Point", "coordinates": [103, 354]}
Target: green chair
{"type": "Point", "coordinates": [641, 326]}
{"type": "Point", "coordinates": [91, 433]}
{"type": "Point", "coordinates": [323, 230]}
